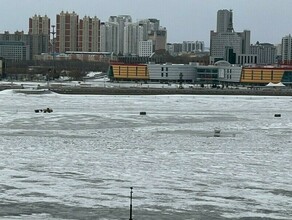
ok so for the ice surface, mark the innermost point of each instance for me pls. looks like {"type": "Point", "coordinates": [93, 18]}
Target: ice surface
{"type": "Point", "coordinates": [80, 161]}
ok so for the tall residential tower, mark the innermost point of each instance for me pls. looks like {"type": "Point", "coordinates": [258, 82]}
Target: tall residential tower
{"type": "Point", "coordinates": [39, 30]}
{"type": "Point", "coordinates": [89, 34]}
{"type": "Point", "coordinates": [224, 21]}
{"type": "Point", "coordinates": [287, 49]}
{"type": "Point", "coordinates": [67, 32]}
{"type": "Point", "coordinates": [226, 42]}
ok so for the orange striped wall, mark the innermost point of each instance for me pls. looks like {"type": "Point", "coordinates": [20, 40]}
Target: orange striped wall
{"type": "Point", "coordinates": [261, 75]}
{"type": "Point", "coordinates": [130, 72]}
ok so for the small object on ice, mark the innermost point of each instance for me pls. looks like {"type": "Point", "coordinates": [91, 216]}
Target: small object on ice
{"type": "Point", "coordinates": [217, 132]}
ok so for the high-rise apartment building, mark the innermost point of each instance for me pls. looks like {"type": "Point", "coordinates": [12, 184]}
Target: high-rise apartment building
{"type": "Point", "coordinates": [67, 32]}
{"type": "Point", "coordinates": [122, 21]}
{"type": "Point", "coordinates": [39, 30]}
{"type": "Point", "coordinates": [224, 21]}
{"type": "Point", "coordinates": [133, 34]}
{"type": "Point", "coordinates": [109, 37]}
{"type": "Point", "coordinates": [77, 35]}
{"type": "Point", "coordinates": [193, 46]}
{"type": "Point", "coordinates": [39, 25]}
{"type": "Point", "coordinates": [266, 53]}
{"type": "Point", "coordinates": [145, 48]}
{"type": "Point", "coordinates": [174, 48]}
{"type": "Point", "coordinates": [149, 25]}
{"type": "Point", "coordinates": [287, 49]}
{"type": "Point", "coordinates": [159, 39]}
{"type": "Point", "coordinates": [130, 34]}
{"type": "Point", "coordinates": [144, 30]}
{"type": "Point", "coordinates": [89, 34]}
{"type": "Point", "coordinates": [226, 39]}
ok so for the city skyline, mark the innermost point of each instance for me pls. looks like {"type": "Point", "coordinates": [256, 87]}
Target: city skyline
{"type": "Point", "coordinates": [188, 21]}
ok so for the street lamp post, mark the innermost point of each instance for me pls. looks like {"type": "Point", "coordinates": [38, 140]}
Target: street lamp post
{"type": "Point", "coordinates": [53, 51]}
{"type": "Point", "coordinates": [131, 205]}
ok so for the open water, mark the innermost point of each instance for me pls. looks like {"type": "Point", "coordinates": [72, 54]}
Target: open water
{"type": "Point", "coordinates": [80, 161]}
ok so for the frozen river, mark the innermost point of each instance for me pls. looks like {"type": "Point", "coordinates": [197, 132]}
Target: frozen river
{"type": "Point", "coordinates": [80, 161]}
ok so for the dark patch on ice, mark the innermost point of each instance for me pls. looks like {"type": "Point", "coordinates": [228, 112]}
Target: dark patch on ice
{"type": "Point", "coordinates": [31, 181]}
{"type": "Point", "coordinates": [35, 194]}
{"type": "Point", "coordinates": [93, 181]}
{"type": "Point", "coordinates": [255, 218]}
{"type": "Point", "coordinates": [206, 133]}
{"type": "Point", "coordinates": [18, 177]}
{"type": "Point", "coordinates": [66, 175]}
{"type": "Point", "coordinates": [4, 187]}
{"type": "Point", "coordinates": [184, 190]}
{"type": "Point", "coordinates": [146, 212]}
{"type": "Point", "coordinates": [282, 192]}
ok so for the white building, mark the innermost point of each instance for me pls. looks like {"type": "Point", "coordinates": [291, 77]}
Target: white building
{"type": "Point", "coordinates": [174, 49]}
{"type": "Point", "coordinates": [192, 46]}
{"type": "Point", "coordinates": [122, 21]}
{"type": "Point", "coordinates": [228, 73]}
{"type": "Point", "coordinates": [109, 37]}
{"type": "Point", "coordinates": [172, 72]}
{"type": "Point", "coordinates": [266, 53]}
{"type": "Point", "coordinates": [145, 48]}
{"type": "Point", "coordinates": [287, 49]}
{"type": "Point", "coordinates": [133, 34]}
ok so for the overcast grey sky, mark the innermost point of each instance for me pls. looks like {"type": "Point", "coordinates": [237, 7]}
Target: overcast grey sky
{"type": "Point", "coordinates": [268, 20]}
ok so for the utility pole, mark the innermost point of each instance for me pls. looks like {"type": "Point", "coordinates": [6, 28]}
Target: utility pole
{"type": "Point", "coordinates": [131, 205]}
{"type": "Point", "coordinates": [53, 51]}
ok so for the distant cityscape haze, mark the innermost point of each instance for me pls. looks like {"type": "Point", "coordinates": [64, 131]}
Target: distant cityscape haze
{"type": "Point", "coordinates": [188, 20]}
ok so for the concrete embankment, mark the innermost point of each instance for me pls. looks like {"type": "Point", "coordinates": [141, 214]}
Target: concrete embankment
{"type": "Point", "coordinates": [171, 91]}
{"type": "Point", "coordinates": [161, 91]}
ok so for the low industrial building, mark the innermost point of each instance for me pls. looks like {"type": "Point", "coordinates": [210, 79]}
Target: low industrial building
{"type": "Point", "coordinates": [221, 73]}
{"type": "Point", "coordinates": [172, 72]}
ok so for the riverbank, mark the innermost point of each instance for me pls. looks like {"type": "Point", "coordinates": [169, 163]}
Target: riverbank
{"type": "Point", "coordinates": [112, 89]}
{"type": "Point", "coordinates": [170, 91]}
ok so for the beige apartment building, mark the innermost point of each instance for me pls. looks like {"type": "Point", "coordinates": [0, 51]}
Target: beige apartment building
{"type": "Point", "coordinates": [39, 32]}
{"type": "Point", "coordinates": [74, 34]}
{"type": "Point", "coordinates": [66, 32]}
{"type": "Point", "coordinates": [89, 34]}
